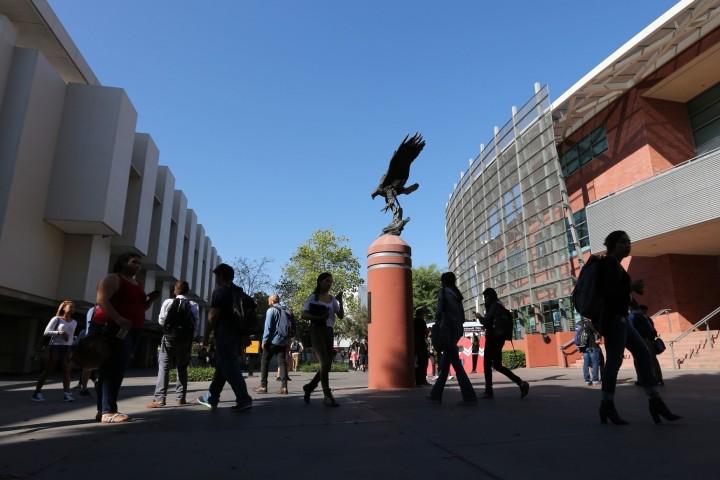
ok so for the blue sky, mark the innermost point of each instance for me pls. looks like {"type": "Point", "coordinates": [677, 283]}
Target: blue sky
{"type": "Point", "coordinates": [279, 118]}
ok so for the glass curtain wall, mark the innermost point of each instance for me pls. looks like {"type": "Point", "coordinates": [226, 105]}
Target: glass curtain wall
{"type": "Point", "coordinates": [505, 224]}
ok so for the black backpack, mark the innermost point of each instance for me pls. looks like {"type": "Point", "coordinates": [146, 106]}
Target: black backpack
{"type": "Point", "coordinates": [284, 326]}
{"type": "Point", "coordinates": [503, 327]}
{"type": "Point", "coordinates": [243, 307]}
{"type": "Point", "coordinates": [179, 321]}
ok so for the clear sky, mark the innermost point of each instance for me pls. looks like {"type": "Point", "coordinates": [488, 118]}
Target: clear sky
{"type": "Point", "coordinates": [279, 117]}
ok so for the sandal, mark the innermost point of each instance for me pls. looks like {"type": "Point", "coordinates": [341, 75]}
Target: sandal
{"type": "Point", "coordinates": [114, 418]}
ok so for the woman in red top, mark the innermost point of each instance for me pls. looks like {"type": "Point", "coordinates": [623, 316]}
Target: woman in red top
{"type": "Point", "coordinates": [121, 308]}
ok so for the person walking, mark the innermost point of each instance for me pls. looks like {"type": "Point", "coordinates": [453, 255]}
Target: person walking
{"type": "Point", "coordinates": [498, 328]}
{"type": "Point", "coordinates": [421, 352]}
{"type": "Point", "coordinates": [180, 318]}
{"type": "Point", "coordinates": [223, 321]}
{"type": "Point", "coordinates": [614, 288]}
{"type": "Point", "coordinates": [275, 338]}
{"type": "Point", "coordinates": [121, 304]}
{"type": "Point", "coordinates": [586, 340]}
{"type": "Point", "coordinates": [644, 325]}
{"type": "Point", "coordinates": [450, 317]}
{"type": "Point", "coordinates": [321, 308]}
{"type": "Point", "coordinates": [60, 329]}
{"type": "Point", "coordinates": [296, 348]}
{"type": "Point", "coordinates": [475, 351]}
{"type": "Point", "coordinates": [87, 373]}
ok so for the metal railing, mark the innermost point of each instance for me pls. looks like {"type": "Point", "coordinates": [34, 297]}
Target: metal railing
{"type": "Point", "coordinates": [704, 321]}
{"type": "Point", "coordinates": [666, 312]}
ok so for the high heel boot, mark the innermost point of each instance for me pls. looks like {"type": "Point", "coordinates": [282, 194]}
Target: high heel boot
{"type": "Point", "coordinates": [659, 409]}
{"type": "Point", "coordinates": [607, 411]}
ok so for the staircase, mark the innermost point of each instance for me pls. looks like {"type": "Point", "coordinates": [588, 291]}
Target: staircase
{"type": "Point", "coordinates": [695, 351]}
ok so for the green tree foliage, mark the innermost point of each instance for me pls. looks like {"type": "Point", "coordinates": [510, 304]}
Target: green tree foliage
{"type": "Point", "coordinates": [355, 324]}
{"type": "Point", "coordinates": [323, 252]}
{"type": "Point", "coordinates": [426, 284]}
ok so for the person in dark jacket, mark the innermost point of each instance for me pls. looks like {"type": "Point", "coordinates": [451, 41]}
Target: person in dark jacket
{"type": "Point", "coordinates": [450, 316]}
{"type": "Point", "coordinates": [421, 352]}
{"type": "Point", "coordinates": [615, 287]}
{"type": "Point", "coordinates": [644, 325]}
{"type": "Point", "coordinates": [494, 345]}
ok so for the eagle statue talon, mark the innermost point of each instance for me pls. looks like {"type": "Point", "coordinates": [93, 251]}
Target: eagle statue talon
{"type": "Point", "coordinates": [392, 183]}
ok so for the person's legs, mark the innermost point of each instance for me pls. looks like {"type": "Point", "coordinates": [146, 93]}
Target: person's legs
{"type": "Point", "coordinates": [66, 365]}
{"type": "Point", "coordinates": [487, 365]}
{"type": "Point", "coordinates": [615, 334]}
{"type": "Point", "coordinates": [321, 348]}
{"type": "Point", "coordinates": [497, 362]}
{"type": "Point", "coordinates": [595, 360]}
{"type": "Point", "coordinates": [282, 362]}
{"type": "Point", "coordinates": [227, 357]}
{"type": "Point", "coordinates": [50, 364]}
{"type": "Point", "coordinates": [182, 355]}
{"type": "Point", "coordinates": [163, 377]}
{"type": "Point", "coordinates": [474, 362]}
{"type": "Point", "coordinates": [639, 350]}
{"type": "Point", "coordinates": [586, 366]}
{"type": "Point", "coordinates": [264, 363]}
{"type": "Point", "coordinates": [466, 388]}
{"type": "Point", "coordinates": [443, 370]}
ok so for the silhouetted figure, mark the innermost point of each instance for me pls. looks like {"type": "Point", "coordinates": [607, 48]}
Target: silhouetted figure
{"type": "Point", "coordinates": [614, 287]}
{"type": "Point", "coordinates": [644, 325]}
{"type": "Point", "coordinates": [494, 342]}
{"type": "Point", "coordinates": [475, 351]}
{"type": "Point", "coordinates": [586, 339]}
{"type": "Point", "coordinates": [450, 318]}
{"type": "Point", "coordinates": [421, 352]}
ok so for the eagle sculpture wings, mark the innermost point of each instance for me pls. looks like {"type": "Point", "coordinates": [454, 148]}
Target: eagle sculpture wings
{"type": "Point", "coordinates": [392, 183]}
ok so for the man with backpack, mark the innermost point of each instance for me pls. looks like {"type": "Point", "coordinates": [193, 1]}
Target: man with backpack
{"type": "Point", "coordinates": [296, 348]}
{"type": "Point", "coordinates": [498, 324]}
{"type": "Point", "coordinates": [231, 316]}
{"type": "Point", "coordinates": [279, 329]}
{"type": "Point", "coordinates": [586, 339]}
{"type": "Point", "coordinates": [179, 318]}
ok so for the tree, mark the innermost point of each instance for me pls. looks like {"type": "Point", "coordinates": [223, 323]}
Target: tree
{"type": "Point", "coordinates": [355, 324]}
{"type": "Point", "coordinates": [426, 284]}
{"type": "Point", "coordinates": [323, 252]}
{"type": "Point", "coordinates": [251, 274]}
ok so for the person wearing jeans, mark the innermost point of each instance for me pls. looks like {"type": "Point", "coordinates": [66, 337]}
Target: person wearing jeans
{"type": "Point", "coordinates": [273, 343]}
{"type": "Point", "coordinates": [591, 357]}
{"type": "Point", "coordinates": [450, 315]}
{"type": "Point", "coordinates": [221, 320]}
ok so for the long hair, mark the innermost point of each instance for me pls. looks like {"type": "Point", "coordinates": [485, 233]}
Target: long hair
{"type": "Point", "coordinates": [61, 308]}
{"type": "Point", "coordinates": [448, 280]}
{"type": "Point", "coordinates": [490, 292]}
{"type": "Point", "coordinates": [613, 238]}
{"type": "Point", "coordinates": [123, 260]}
{"type": "Point", "coordinates": [319, 280]}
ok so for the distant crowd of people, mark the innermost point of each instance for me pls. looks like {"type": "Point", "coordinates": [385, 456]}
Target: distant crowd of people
{"type": "Point", "coordinates": [116, 320]}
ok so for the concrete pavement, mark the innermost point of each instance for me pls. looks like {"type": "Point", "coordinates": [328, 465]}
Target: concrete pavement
{"type": "Point", "coordinates": [555, 432]}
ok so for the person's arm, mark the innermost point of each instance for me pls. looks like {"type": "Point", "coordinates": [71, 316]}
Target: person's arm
{"type": "Point", "coordinates": [151, 297]}
{"type": "Point", "coordinates": [213, 315]}
{"type": "Point", "coordinates": [340, 311]}
{"type": "Point", "coordinates": [268, 325]}
{"type": "Point", "coordinates": [52, 327]}
{"type": "Point", "coordinates": [107, 288]}
{"type": "Point", "coordinates": [164, 311]}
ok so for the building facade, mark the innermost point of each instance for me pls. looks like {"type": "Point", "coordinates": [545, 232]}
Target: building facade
{"type": "Point", "coordinates": [78, 186]}
{"type": "Point", "coordinates": [634, 145]}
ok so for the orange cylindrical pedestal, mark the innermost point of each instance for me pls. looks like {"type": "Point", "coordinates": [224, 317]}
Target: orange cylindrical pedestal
{"type": "Point", "coordinates": [391, 352]}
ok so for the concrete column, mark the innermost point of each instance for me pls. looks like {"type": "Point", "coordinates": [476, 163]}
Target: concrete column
{"type": "Point", "coordinates": [30, 119]}
{"type": "Point", "coordinates": [188, 260]}
{"type": "Point", "coordinates": [177, 236]}
{"type": "Point", "coordinates": [8, 37]}
{"type": "Point", "coordinates": [161, 218]}
{"type": "Point", "coordinates": [137, 218]}
{"type": "Point", "coordinates": [89, 182]}
{"type": "Point", "coordinates": [85, 262]}
{"type": "Point", "coordinates": [199, 259]}
{"type": "Point", "coordinates": [391, 350]}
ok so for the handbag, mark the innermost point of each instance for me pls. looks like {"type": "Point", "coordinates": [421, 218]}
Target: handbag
{"type": "Point", "coordinates": [659, 346]}
{"type": "Point", "coordinates": [44, 341]}
{"type": "Point", "coordinates": [318, 310]}
{"type": "Point", "coordinates": [92, 350]}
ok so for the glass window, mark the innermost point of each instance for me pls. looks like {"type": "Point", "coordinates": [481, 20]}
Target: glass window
{"type": "Point", "coordinates": [581, 228]}
{"type": "Point", "coordinates": [704, 112]}
{"type": "Point", "coordinates": [587, 148]}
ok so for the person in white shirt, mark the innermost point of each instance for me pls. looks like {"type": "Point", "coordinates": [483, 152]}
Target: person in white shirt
{"type": "Point", "coordinates": [179, 318]}
{"type": "Point", "coordinates": [61, 330]}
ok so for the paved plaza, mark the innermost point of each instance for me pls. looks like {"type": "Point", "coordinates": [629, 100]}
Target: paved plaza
{"type": "Point", "coordinates": [554, 433]}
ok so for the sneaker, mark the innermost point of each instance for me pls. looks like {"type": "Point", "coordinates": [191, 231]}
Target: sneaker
{"type": "Point", "coordinates": [329, 401]}
{"type": "Point", "coordinates": [155, 404]}
{"type": "Point", "coordinates": [260, 389]}
{"type": "Point", "coordinates": [283, 391]}
{"type": "Point", "coordinates": [205, 402]}
{"type": "Point", "coordinates": [37, 397]}
{"type": "Point", "coordinates": [67, 397]}
{"type": "Point", "coordinates": [180, 402]}
{"type": "Point", "coordinates": [306, 393]}
{"type": "Point", "coordinates": [243, 406]}
{"type": "Point", "coordinates": [589, 384]}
